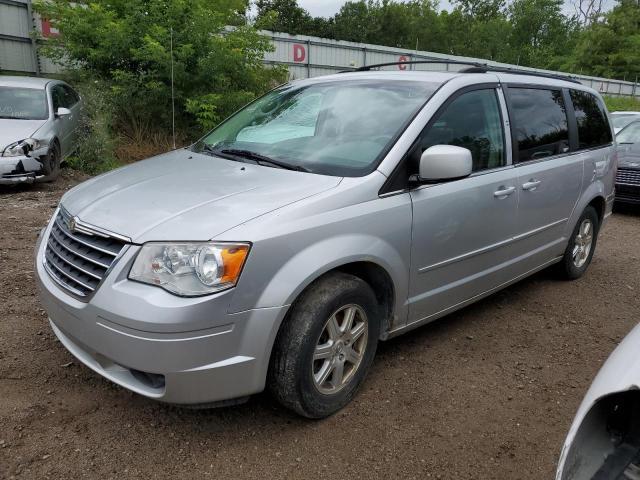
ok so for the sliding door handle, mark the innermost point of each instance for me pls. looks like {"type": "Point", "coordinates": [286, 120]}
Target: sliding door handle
{"type": "Point", "coordinates": [531, 185]}
{"type": "Point", "coordinates": [504, 192]}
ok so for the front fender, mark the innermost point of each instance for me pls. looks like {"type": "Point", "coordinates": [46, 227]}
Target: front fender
{"type": "Point", "coordinates": [291, 249]}
{"type": "Point", "coordinates": [321, 257]}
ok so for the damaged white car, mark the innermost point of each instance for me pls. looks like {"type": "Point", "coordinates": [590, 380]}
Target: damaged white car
{"type": "Point", "coordinates": [604, 439]}
{"type": "Point", "coordinates": [39, 121]}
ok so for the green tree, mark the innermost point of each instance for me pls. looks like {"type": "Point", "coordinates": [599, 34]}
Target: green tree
{"type": "Point", "coordinates": [127, 45]}
{"type": "Point", "coordinates": [283, 16]}
{"type": "Point", "coordinates": [611, 47]}
{"type": "Point", "coordinates": [540, 33]}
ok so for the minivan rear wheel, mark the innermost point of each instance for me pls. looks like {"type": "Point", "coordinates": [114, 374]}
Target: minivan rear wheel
{"type": "Point", "coordinates": [325, 346]}
{"type": "Point", "coordinates": [581, 246]}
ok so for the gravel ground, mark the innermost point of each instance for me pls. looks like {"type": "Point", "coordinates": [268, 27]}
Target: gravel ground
{"type": "Point", "coordinates": [488, 392]}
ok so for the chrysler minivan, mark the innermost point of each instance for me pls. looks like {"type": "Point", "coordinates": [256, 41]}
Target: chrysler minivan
{"type": "Point", "coordinates": [326, 216]}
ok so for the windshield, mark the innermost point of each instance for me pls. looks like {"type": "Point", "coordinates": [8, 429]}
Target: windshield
{"type": "Point", "coordinates": [338, 128]}
{"type": "Point", "coordinates": [630, 134]}
{"type": "Point", "coordinates": [23, 103]}
{"type": "Point", "coordinates": [620, 121]}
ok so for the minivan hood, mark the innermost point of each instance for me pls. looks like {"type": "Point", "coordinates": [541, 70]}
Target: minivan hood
{"type": "Point", "coordinates": [182, 195]}
{"type": "Point", "coordinates": [14, 130]}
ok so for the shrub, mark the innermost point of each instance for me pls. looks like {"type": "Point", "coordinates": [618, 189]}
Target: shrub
{"type": "Point", "coordinates": [124, 48]}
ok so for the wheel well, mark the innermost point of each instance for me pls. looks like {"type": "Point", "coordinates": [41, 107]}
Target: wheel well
{"type": "Point", "coordinates": [599, 204]}
{"type": "Point", "coordinates": [380, 282]}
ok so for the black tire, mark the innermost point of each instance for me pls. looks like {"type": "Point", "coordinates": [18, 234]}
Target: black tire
{"type": "Point", "coordinates": [51, 164]}
{"type": "Point", "coordinates": [291, 369]}
{"type": "Point", "coordinates": [567, 268]}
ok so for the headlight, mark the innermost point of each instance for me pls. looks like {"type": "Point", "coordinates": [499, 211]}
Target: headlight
{"type": "Point", "coordinates": [23, 147]}
{"type": "Point", "coordinates": [190, 269]}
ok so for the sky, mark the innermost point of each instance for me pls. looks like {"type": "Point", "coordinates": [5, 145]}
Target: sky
{"type": "Point", "coordinates": [321, 8]}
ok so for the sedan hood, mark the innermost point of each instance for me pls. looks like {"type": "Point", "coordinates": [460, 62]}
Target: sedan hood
{"type": "Point", "coordinates": [187, 196]}
{"type": "Point", "coordinates": [14, 130]}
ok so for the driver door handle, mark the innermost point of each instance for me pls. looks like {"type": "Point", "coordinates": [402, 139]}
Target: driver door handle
{"type": "Point", "coordinates": [504, 192]}
{"type": "Point", "coordinates": [531, 185]}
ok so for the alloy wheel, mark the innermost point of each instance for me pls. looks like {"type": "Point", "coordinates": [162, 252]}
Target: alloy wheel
{"type": "Point", "coordinates": [582, 243]}
{"type": "Point", "coordinates": [340, 349]}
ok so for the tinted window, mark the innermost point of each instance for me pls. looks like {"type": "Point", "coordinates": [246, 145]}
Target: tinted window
{"type": "Point", "coordinates": [58, 97]}
{"type": "Point", "coordinates": [71, 97]}
{"type": "Point", "coordinates": [471, 121]}
{"type": "Point", "coordinates": [63, 96]}
{"type": "Point", "coordinates": [540, 122]}
{"type": "Point", "coordinates": [593, 126]}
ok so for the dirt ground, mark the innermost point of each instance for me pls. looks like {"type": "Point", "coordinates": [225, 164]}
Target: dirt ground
{"type": "Point", "coordinates": [487, 393]}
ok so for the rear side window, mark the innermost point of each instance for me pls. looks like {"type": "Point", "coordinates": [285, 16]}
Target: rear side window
{"type": "Point", "coordinates": [593, 125]}
{"type": "Point", "coordinates": [540, 124]}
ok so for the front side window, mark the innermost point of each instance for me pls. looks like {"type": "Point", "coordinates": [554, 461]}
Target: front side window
{"type": "Point", "coordinates": [58, 97]}
{"type": "Point", "coordinates": [472, 121]}
{"type": "Point", "coordinates": [23, 104]}
{"type": "Point", "coordinates": [593, 126]}
{"type": "Point", "coordinates": [337, 128]}
{"type": "Point", "coordinates": [71, 96]}
{"type": "Point", "coordinates": [540, 122]}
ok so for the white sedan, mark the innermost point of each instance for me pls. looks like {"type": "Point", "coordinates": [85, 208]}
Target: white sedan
{"type": "Point", "coordinates": [39, 120]}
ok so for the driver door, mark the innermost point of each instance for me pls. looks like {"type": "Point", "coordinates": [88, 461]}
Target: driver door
{"type": "Point", "coordinates": [463, 229]}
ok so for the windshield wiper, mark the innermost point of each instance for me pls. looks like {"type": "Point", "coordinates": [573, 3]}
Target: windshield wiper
{"type": "Point", "coordinates": [261, 159]}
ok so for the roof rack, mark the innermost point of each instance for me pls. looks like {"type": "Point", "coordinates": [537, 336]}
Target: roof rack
{"type": "Point", "coordinates": [474, 67]}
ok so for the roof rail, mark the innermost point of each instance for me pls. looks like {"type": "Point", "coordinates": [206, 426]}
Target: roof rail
{"type": "Point", "coordinates": [474, 67]}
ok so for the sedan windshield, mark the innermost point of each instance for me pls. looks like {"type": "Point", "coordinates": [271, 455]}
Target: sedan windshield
{"type": "Point", "coordinates": [621, 121]}
{"type": "Point", "coordinates": [340, 128]}
{"type": "Point", "coordinates": [23, 103]}
{"type": "Point", "coordinates": [630, 133]}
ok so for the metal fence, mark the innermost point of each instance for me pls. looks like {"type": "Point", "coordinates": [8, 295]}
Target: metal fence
{"type": "Point", "coordinates": [312, 56]}
{"type": "Point", "coordinates": [304, 56]}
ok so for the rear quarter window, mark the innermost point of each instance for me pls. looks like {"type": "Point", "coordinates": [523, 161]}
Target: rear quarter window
{"type": "Point", "coordinates": [591, 117]}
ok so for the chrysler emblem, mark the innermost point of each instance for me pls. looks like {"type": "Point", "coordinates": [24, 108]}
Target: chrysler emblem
{"type": "Point", "coordinates": [72, 224]}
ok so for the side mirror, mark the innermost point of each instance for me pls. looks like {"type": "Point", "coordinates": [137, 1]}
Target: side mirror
{"type": "Point", "coordinates": [445, 162]}
{"type": "Point", "coordinates": [62, 112]}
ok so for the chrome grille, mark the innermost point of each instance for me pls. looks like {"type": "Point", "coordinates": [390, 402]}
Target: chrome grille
{"type": "Point", "coordinates": [628, 176]}
{"type": "Point", "coordinates": [79, 260]}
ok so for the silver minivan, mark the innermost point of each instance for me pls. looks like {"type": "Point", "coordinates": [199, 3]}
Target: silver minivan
{"type": "Point", "coordinates": [324, 217]}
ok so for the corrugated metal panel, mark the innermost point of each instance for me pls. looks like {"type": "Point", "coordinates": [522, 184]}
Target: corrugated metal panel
{"type": "Point", "coordinates": [305, 55]}
{"type": "Point", "coordinates": [17, 56]}
{"type": "Point", "coordinates": [14, 20]}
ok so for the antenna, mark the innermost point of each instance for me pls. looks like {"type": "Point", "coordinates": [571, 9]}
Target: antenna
{"type": "Point", "coordinates": [173, 98]}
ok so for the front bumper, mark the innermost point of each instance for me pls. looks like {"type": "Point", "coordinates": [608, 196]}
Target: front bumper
{"type": "Point", "coordinates": [176, 350]}
{"type": "Point", "coordinates": [16, 170]}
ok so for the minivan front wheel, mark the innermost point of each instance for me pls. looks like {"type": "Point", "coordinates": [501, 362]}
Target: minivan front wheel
{"type": "Point", "coordinates": [325, 346]}
{"type": "Point", "coordinates": [582, 244]}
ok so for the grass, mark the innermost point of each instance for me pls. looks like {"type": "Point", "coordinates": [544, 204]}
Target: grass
{"type": "Point", "coordinates": [617, 104]}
